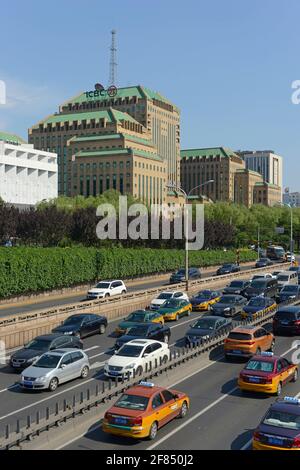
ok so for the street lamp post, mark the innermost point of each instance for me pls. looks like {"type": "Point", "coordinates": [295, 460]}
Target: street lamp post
{"type": "Point", "coordinates": [186, 197]}
{"type": "Point", "coordinates": [290, 206]}
{"type": "Point", "coordinates": [258, 242]}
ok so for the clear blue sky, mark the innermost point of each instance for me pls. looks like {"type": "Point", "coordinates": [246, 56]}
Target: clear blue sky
{"type": "Point", "coordinates": [227, 64]}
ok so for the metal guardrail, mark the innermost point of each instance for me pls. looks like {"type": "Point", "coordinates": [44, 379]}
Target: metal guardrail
{"type": "Point", "coordinates": [61, 412]}
{"type": "Point", "coordinates": [11, 320]}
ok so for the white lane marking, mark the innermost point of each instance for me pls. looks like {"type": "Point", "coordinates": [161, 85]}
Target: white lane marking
{"type": "Point", "coordinates": [97, 426]}
{"type": "Point", "coordinates": [107, 351]}
{"type": "Point", "coordinates": [91, 348]}
{"type": "Point", "coordinates": [187, 321]}
{"type": "Point", "coordinates": [9, 388]}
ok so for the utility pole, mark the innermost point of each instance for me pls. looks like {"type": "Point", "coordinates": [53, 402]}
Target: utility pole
{"type": "Point", "coordinates": [113, 63]}
{"type": "Point", "coordinates": [258, 242]}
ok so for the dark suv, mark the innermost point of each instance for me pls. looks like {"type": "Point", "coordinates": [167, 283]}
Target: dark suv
{"type": "Point", "coordinates": [179, 276]}
{"type": "Point", "coordinates": [228, 269]}
{"type": "Point", "coordinates": [287, 321]}
{"type": "Point", "coordinates": [262, 287]}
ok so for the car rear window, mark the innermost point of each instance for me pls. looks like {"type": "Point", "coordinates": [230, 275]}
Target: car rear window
{"type": "Point", "coordinates": [280, 277]}
{"type": "Point", "coordinates": [236, 284]}
{"type": "Point", "coordinates": [286, 315]}
{"type": "Point", "coordinates": [132, 402]}
{"type": "Point", "coordinates": [239, 336]}
{"type": "Point", "coordinates": [282, 419]}
{"type": "Point", "coordinates": [262, 366]}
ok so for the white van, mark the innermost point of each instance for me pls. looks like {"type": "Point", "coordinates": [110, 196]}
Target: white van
{"type": "Point", "coordinates": [287, 277]}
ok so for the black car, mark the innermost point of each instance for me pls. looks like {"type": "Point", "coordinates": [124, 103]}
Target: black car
{"type": "Point", "coordinates": [257, 304]}
{"type": "Point", "coordinates": [288, 292]}
{"type": "Point", "coordinates": [263, 263]}
{"type": "Point", "coordinates": [26, 356]}
{"type": "Point", "coordinates": [263, 287]}
{"type": "Point", "coordinates": [154, 331]}
{"type": "Point", "coordinates": [296, 269]}
{"type": "Point", "coordinates": [179, 276]}
{"type": "Point", "coordinates": [287, 321]}
{"type": "Point", "coordinates": [229, 305]}
{"type": "Point", "coordinates": [83, 324]}
{"type": "Point", "coordinates": [228, 269]}
{"type": "Point", "coordinates": [236, 287]}
{"type": "Point", "coordinates": [204, 328]}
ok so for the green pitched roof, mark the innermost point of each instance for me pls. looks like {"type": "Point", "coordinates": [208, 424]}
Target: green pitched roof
{"type": "Point", "coordinates": [129, 151]}
{"type": "Point", "coordinates": [222, 151]}
{"type": "Point", "coordinates": [265, 183]}
{"type": "Point", "coordinates": [11, 138]}
{"type": "Point", "coordinates": [112, 115]}
{"type": "Point", "coordinates": [143, 153]}
{"type": "Point", "coordinates": [246, 170]}
{"type": "Point", "coordinates": [139, 91]}
{"type": "Point", "coordinates": [132, 138]}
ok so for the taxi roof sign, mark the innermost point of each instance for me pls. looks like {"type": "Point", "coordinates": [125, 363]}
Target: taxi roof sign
{"type": "Point", "coordinates": [267, 353]}
{"type": "Point", "coordinates": [292, 400]}
{"type": "Point", "coordinates": [146, 384]}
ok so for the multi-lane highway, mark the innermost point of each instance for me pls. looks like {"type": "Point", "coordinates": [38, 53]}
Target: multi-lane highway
{"type": "Point", "coordinates": [52, 301]}
{"type": "Point", "coordinates": [219, 418]}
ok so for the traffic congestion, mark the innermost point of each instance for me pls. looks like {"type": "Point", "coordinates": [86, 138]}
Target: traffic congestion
{"type": "Point", "coordinates": [87, 347]}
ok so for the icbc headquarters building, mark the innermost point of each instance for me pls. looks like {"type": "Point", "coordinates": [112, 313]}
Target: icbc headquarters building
{"type": "Point", "coordinates": [126, 139]}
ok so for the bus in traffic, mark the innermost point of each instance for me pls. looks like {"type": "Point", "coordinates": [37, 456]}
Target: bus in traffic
{"type": "Point", "coordinates": [276, 253]}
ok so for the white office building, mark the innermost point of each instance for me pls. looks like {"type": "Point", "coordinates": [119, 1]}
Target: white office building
{"type": "Point", "coordinates": [27, 175]}
{"type": "Point", "coordinates": [265, 162]}
{"type": "Point", "coordinates": [291, 198]}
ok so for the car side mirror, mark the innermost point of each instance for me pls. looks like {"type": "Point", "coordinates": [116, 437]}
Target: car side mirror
{"type": "Point", "coordinates": [176, 396]}
{"type": "Point", "coordinates": [63, 366]}
{"type": "Point", "coordinates": [145, 355]}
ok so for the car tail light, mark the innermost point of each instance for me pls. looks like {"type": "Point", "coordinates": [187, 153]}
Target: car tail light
{"type": "Point", "coordinates": [297, 322]}
{"type": "Point", "coordinates": [267, 380]}
{"type": "Point", "coordinates": [256, 436]}
{"type": "Point", "coordinates": [296, 443]}
{"type": "Point", "coordinates": [248, 343]}
{"type": "Point", "coordinates": [137, 421]}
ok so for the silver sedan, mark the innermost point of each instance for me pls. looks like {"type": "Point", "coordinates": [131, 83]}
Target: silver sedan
{"type": "Point", "coordinates": [54, 368]}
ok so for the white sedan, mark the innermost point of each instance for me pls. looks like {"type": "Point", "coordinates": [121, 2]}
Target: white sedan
{"type": "Point", "coordinates": [168, 295]}
{"type": "Point", "coordinates": [107, 289]}
{"type": "Point", "coordinates": [134, 356]}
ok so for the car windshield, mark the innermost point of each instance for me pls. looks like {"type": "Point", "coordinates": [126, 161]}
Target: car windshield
{"type": "Point", "coordinates": [236, 284]}
{"type": "Point", "coordinates": [103, 285]}
{"type": "Point", "coordinates": [226, 266]}
{"type": "Point", "coordinates": [205, 324]}
{"type": "Point", "coordinates": [136, 316]}
{"type": "Point", "coordinates": [181, 272]}
{"type": "Point", "coordinates": [263, 366]}
{"type": "Point", "coordinates": [282, 419]}
{"type": "Point", "coordinates": [263, 260]}
{"type": "Point", "coordinates": [171, 303]}
{"type": "Point", "coordinates": [165, 295]}
{"type": "Point", "coordinates": [130, 351]}
{"type": "Point", "coordinates": [38, 344]}
{"type": "Point", "coordinates": [74, 319]}
{"type": "Point", "coordinates": [258, 284]}
{"type": "Point", "coordinates": [137, 331]}
{"type": "Point", "coordinates": [239, 336]}
{"type": "Point", "coordinates": [47, 361]}
{"type": "Point", "coordinates": [257, 302]}
{"type": "Point", "coordinates": [283, 278]}
{"type": "Point", "coordinates": [132, 402]}
{"type": "Point", "coordinates": [290, 289]}
{"type": "Point", "coordinates": [227, 299]}
{"type": "Point", "coordinates": [204, 294]}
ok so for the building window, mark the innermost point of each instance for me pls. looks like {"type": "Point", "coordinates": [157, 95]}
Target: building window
{"type": "Point", "coordinates": [128, 164]}
{"type": "Point", "coordinates": [121, 183]}
{"type": "Point", "coordinates": [114, 164]}
{"type": "Point", "coordinates": [94, 185]}
{"type": "Point", "coordinates": [81, 186]}
{"type": "Point", "coordinates": [100, 184]}
{"type": "Point", "coordinates": [114, 181]}
{"type": "Point", "coordinates": [107, 182]}
{"type": "Point", "coordinates": [107, 164]}
{"type": "Point", "coordinates": [121, 165]}
{"type": "Point", "coordinates": [94, 166]}
{"type": "Point", "coordinates": [101, 165]}
{"type": "Point", "coordinates": [87, 186]}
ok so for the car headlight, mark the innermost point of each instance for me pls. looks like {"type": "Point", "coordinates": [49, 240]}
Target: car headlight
{"type": "Point", "coordinates": [42, 379]}
{"type": "Point", "coordinates": [68, 332]}
{"type": "Point", "coordinates": [33, 359]}
{"type": "Point", "coordinates": [226, 309]}
{"type": "Point", "coordinates": [130, 366]}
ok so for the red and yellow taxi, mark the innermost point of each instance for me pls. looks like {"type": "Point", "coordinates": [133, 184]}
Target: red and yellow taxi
{"type": "Point", "coordinates": [245, 341]}
{"type": "Point", "coordinates": [143, 409]}
{"type": "Point", "coordinates": [280, 427]}
{"type": "Point", "coordinates": [204, 299]}
{"type": "Point", "coordinates": [266, 373]}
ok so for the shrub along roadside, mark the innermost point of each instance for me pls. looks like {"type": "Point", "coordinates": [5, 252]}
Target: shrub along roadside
{"type": "Point", "coordinates": [26, 270]}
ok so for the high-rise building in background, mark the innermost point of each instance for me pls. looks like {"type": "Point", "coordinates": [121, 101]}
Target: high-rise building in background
{"type": "Point", "coordinates": [265, 162]}
{"type": "Point", "coordinates": [83, 116]}
{"type": "Point", "coordinates": [27, 175]}
{"type": "Point", "coordinates": [292, 198]}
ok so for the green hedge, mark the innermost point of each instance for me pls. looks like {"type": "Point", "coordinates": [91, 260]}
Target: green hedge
{"type": "Point", "coordinates": [25, 270]}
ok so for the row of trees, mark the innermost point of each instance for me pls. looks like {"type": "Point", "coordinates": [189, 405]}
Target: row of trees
{"type": "Point", "coordinates": [72, 221]}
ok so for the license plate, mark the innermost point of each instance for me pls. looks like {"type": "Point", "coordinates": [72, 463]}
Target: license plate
{"type": "Point", "coordinates": [113, 372]}
{"type": "Point", "coordinates": [120, 421]}
{"type": "Point", "coordinates": [254, 379]}
{"type": "Point", "coordinates": [26, 382]}
{"type": "Point", "coordinates": [284, 323]}
{"type": "Point", "coordinates": [275, 441]}
{"type": "Point", "coordinates": [236, 351]}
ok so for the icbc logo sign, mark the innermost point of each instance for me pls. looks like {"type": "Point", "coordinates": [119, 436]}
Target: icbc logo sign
{"type": "Point", "coordinates": [100, 91]}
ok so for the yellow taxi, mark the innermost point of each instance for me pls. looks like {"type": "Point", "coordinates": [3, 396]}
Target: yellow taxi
{"type": "Point", "coordinates": [204, 299]}
{"type": "Point", "coordinates": [137, 317]}
{"type": "Point", "coordinates": [280, 427]}
{"type": "Point", "coordinates": [173, 309]}
{"type": "Point", "coordinates": [258, 306]}
{"type": "Point", "coordinates": [266, 373]}
{"type": "Point", "coordinates": [143, 409]}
